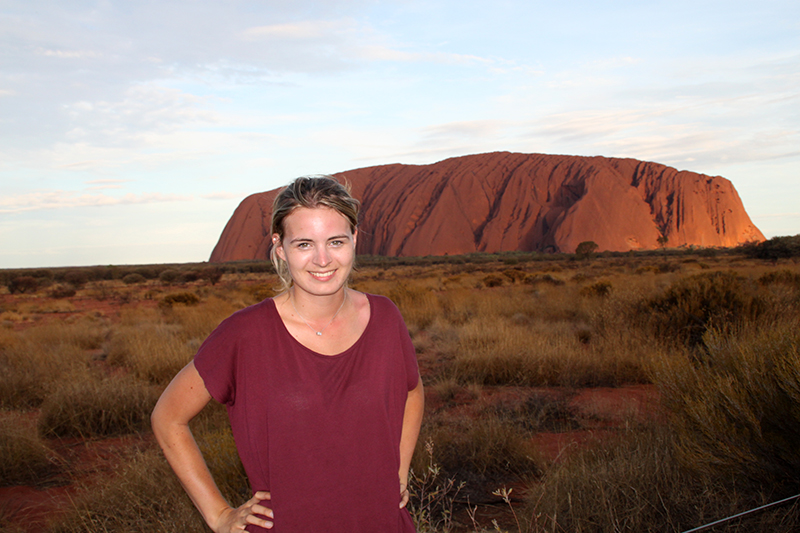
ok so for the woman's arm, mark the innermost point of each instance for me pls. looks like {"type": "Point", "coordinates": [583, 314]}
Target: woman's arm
{"type": "Point", "coordinates": [412, 421]}
{"type": "Point", "coordinates": [182, 400]}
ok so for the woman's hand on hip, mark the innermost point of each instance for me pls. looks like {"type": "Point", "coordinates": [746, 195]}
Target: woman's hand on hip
{"type": "Point", "coordinates": [250, 512]}
{"type": "Point", "coordinates": [403, 494]}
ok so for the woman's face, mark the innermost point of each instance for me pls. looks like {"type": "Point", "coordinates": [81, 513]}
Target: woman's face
{"type": "Point", "coordinates": [319, 248]}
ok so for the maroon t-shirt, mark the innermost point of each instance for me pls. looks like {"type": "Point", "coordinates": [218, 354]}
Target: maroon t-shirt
{"type": "Point", "coordinates": [321, 433]}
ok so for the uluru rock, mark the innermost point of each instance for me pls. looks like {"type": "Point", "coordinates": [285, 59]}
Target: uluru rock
{"type": "Point", "coordinates": [528, 202]}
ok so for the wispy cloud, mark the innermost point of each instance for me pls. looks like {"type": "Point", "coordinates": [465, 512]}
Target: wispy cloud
{"type": "Point", "coordinates": [304, 30]}
{"type": "Point", "coordinates": [106, 182]}
{"type": "Point", "coordinates": [223, 195]}
{"type": "Point", "coordinates": [57, 199]}
{"type": "Point", "coordinates": [348, 41]}
{"type": "Point", "coordinates": [68, 54]}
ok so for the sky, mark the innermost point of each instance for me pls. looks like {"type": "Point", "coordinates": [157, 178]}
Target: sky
{"type": "Point", "coordinates": [131, 130]}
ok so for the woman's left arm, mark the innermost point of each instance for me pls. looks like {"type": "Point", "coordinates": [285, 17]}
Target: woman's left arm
{"type": "Point", "coordinates": [412, 421]}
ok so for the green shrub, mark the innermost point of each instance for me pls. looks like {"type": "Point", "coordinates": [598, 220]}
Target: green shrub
{"type": "Point", "coordinates": [535, 279]}
{"type": "Point", "coordinates": [133, 278]}
{"type": "Point", "coordinates": [514, 274]}
{"type": "Point", "coordinates": [189, 276]}
{"type": "Point", "coordinates": [775, 248]}
{"type": "Point", "coordinates": [169, 276]}
{"type": "Point", "coordinates": [146, 272]}
{"type": "Point", "coordinates": [586, 250]}
{"type": "Point", "coordinates": [692, 304]}
{"type": "Point", "coordinates": [62, 291]}
{"type": "Point", "coordinates": [597, 289]}
{"type": "Point", "coordinates": [181, 298]}
{"type": "Point", "coordinates": [211, 275]}
{"type": "Point", "coordinates": [23, 284]}
{"type": "Point", "coordinates": [76, 278]}
{"type": "Point", "coordinates": [493, 281]}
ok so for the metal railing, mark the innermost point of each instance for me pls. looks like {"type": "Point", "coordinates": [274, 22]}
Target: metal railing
{"type": "Point", "coordinates": [717, 522]}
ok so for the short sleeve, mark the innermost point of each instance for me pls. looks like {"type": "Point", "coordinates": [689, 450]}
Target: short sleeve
{"type": "Point", "coordinates": [410, 355]}
{"type": "Point", "coordinates": [216, 361]}
{"type": "Point", "coordinates": [409, 352]}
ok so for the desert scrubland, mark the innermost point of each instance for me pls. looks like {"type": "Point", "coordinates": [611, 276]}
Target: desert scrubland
{"type": "Point", "coordinates": [652, 391]}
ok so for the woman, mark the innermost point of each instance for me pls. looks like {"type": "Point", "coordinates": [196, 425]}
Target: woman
{"type": "Point", "coordinates": [321, 385]}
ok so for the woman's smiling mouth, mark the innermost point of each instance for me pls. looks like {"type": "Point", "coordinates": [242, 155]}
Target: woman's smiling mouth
{"type": "Point", "coordinates": [323, 276]}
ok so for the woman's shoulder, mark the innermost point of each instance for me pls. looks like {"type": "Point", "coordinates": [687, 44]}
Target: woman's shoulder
{"type": "Point", "coordinates": [251, 314]}
{"type": "Point", "coordinates": [381, 305]}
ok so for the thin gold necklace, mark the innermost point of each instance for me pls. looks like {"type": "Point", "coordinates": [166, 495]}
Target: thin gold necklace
{"type": "Point", "coordinates": [318, 332]}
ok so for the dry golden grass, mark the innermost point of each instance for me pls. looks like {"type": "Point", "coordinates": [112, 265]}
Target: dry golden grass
{"type": "Point", "coordinates": [729, 378]}
{"type": "Point", "coordinates": [197, 322]}
{"type": "Point", "coordinates": [89, 406]}
{"type": "Point", "coordinates": [736, 411]}
{"type": "Point", "coordinates": [26, 457]}
{"type": "Point", "coordinates": [142, 495]}
{"type": "Point", "coordinates": [636, 483]}
{"type": "Point", "coordinates": [34, 360]}
{"type": "Point", "coordinates": [479, 450]}
{"type": "Point", "coordinates": [152, 351]}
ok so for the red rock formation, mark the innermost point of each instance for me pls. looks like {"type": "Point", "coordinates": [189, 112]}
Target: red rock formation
{"type": "Point", "coordinates": [507, 201]}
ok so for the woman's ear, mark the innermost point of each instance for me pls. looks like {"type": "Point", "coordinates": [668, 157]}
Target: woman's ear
{"type": "Point", "coordinates": [278, 246]}
{"type": "Point", "coordinates": [355, 237]}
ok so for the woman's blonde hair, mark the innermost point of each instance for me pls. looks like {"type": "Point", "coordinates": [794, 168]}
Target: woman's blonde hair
{"type": "Point", "coordinates": [309, 191]}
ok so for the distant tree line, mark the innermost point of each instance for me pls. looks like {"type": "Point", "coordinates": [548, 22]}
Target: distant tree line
{"type": "Point", "coordinates": [786, 247]}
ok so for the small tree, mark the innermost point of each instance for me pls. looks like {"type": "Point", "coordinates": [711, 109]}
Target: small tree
{"type": "Point", "coordinates": [662, 241]}
{"type": "Point", "coordinates": [211, 274]}
{"type": "Point", "coordinates": [169, 276]}
{"type": "Point", "coordinates": [76, 278]}
{"type": "Point", "coordinates": [133, 278]}
{"type": "Point", "coordinates": [23, 284]}
{"type": "Point", "coordinates": [586, 250]}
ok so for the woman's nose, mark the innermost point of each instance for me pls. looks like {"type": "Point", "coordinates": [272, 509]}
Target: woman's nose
{"type": "Point", "coordinates": [322, 257]}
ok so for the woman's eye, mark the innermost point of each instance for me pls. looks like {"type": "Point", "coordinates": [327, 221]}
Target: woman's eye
{"type": "Point", "coordinates": [337, 243]}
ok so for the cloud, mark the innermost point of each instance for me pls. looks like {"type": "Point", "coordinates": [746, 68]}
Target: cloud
{"type": "Point", "coordinates": [106, 182]}
{"type": "Point", "coordinates": [99, 185]}
{"type": "Point", "coordinates": [348, 42]}
{"type": "Point", "coordinates": [145, 107]}
{"type": "Point", "coordinates": [465, 129]}
{"type": "Point", "coordinates": [304, 30]}
{"type": "Point", "coordinates": [57, 199]}
{"type": "Point", "coordinates": [68, 54]}
{"type": "Point", "coordinates": [223, 195]}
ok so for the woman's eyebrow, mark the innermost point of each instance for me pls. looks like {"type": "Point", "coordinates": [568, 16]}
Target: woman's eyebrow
{"type": "Point", "coordinates": [308, 239]}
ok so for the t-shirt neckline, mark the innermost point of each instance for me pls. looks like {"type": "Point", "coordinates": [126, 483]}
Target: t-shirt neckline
{"type": "Point", "coordinates": [314, 352]}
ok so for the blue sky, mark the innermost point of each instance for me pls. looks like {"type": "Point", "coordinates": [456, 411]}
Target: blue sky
{"type": "Point", "coordinates": [131, 130]}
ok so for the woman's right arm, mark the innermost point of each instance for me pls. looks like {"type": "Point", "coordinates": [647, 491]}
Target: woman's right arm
{"type": "Point", "coordinates": [182, 400]}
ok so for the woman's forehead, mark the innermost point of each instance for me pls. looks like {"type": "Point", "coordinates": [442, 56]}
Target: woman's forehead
{"type": "Point", "coordinates": [320, 219]}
